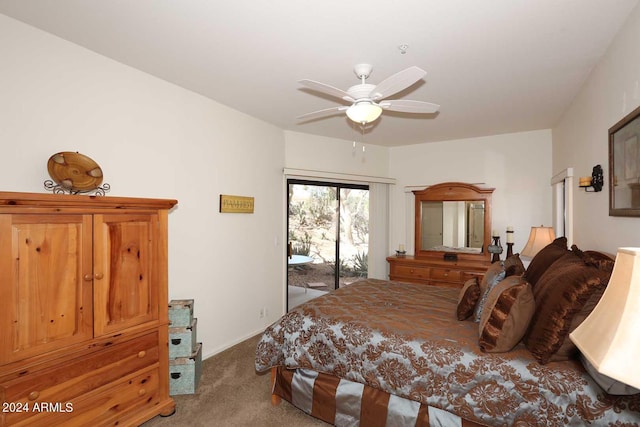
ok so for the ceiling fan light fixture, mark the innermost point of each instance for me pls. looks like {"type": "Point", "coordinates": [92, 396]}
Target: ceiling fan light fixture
{"type": "Point", "coordinates": [364, 112]}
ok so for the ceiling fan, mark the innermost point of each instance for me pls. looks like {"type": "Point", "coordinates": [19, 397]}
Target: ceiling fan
{"type": "Point", "coordinates": [368, 100]}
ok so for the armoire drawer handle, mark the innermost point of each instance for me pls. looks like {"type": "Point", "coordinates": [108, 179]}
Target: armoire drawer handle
{"type": "Point", "coordinates": [34, 395]}
{"type": "Point", "coordinates": [142, 354]}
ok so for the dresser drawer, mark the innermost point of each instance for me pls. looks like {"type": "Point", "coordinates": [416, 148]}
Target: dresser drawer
{"type": "Point", "coordinates": [445, 275]}
{"type": "Point", "coordinates": [411, 272]}
{"type": "Point", "coordinates": [74, 378]}
{"type": "Point", "coordinates": [466, 275]}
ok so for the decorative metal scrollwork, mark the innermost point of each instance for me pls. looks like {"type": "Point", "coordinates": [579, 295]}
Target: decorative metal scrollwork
{"type": "Point", "coordinates": [59, 189]}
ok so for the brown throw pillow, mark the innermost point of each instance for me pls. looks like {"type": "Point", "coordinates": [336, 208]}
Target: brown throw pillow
{"type": "Point", "coordinates": [506, 315]}
{"type": "Point", "coordinates": [468, 298]}
{"type": "Point", "coordinates": [600, 260]}
{"type": "Point", "coordinates": [514, 266]}
{"type": "Point", "coordinates": [543, 259]}
{"type": "Point", "coordinates": [548, 279]}
{"type": "Point", "coordinates": [564, 298]}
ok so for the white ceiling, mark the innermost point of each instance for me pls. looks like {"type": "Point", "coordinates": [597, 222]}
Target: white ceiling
{"type": "Point", "coordinates": [494, 66]}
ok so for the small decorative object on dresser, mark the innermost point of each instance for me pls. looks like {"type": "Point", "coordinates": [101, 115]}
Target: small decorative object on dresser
{"type": "Point", "coordinates": [84, 322]}
{"type": "Point", "coordinates": [446, 255]}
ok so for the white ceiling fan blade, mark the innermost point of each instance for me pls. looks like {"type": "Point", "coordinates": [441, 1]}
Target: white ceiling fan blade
{"type": "Point", "coordinates": [397, 82]}
{"type": "Point", "coordinates": [409, 106]}
{"type": "Point", "coordinates": [325, 88]}
{"type": "Point", "coordinates": [322, 113]}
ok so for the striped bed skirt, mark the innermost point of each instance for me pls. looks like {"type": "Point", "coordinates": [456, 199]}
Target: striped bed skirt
{"type": "Point", "coordinates": [345, 403]}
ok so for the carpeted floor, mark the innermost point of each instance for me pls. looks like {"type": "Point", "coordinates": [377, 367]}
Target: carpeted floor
{"type": "Point", "coordinates": [231, 393]}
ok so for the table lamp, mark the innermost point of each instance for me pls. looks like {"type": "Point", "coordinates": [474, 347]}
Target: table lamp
{"type": "Point", "coordinates": [538, 239]}
{"type": "Point", "coordinates": [608, 337]}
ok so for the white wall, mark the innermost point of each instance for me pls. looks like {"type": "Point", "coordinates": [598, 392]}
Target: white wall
{"type": "Point", "coordinates": [304, 151]}
{"type": "Point", "coordinates": [517, 165]}
{"type": "Point", "coordinates": [580, 140]}
{"type": "Point", "coordinates": [154, 139]}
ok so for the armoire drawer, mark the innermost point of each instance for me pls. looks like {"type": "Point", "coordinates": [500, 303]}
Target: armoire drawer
{"type": "Point", "coordinates": [74, 378]}
{"type": "Point", "coordinates": [112, 404]}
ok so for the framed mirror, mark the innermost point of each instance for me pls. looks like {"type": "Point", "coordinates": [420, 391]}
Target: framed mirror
{"type": "Point", "coordinates": [453, 218]}
{"type": "Point", "coordinates": [624, 166]}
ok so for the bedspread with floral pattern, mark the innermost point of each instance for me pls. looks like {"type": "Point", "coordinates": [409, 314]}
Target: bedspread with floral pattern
{"type": "Point", "coordinates": [405, 340]}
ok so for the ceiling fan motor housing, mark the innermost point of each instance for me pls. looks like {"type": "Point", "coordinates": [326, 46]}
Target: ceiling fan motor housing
{"type": "Point", "coordinates": [360, 91]}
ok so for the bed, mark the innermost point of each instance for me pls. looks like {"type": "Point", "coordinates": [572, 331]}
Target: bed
{"type": "Point", "coordinates": [389, 353]}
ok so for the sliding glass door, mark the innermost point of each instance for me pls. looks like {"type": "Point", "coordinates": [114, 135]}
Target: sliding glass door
{"type": "Point", "coordinates": [328, 237]}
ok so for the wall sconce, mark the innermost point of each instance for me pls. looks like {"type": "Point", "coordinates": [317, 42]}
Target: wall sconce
{"type": "Point", "coordinates": [595, 181]}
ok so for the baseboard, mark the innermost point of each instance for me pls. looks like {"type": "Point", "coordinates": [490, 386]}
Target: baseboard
{"type": "Point", "coordinates": [232, 343]}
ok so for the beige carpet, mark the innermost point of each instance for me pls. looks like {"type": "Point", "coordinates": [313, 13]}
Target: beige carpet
{"type": "Point", "coordinates": [231, 393]}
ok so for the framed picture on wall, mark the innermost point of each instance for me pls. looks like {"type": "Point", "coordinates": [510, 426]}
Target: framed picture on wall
{"type": "Point", "coordinates": [624, 166]}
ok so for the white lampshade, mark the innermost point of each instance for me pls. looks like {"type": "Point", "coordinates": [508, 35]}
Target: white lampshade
{"type": "Point", "coordinates": [608, 338]}
{"type": "Point", "coordinates": [364, 112]}
{"type": "Point", "coordinates": [538, 239]}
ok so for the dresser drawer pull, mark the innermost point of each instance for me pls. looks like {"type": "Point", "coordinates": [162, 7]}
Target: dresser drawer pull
{"type": "Point", "coordinates": [175, 375]}
{"type": "Point", "coordinates": [176, 341]}
{"type": "Point", "coordinates": [34, 395]}
{"type": "Point", "coordinates": [142, 354]}
{"type": "Point", "coordinates": [142, 392]}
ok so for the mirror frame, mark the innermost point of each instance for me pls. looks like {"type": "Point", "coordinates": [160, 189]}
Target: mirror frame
{"type": "Point", "coordinates": [453, 192]}
{"type": "Point", "coordinates": [632, 164]}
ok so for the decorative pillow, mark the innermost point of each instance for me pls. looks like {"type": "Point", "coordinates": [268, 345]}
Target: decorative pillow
{"type": "Point", "coordinates": [514, 266]}
{"type": "Point", "coordinates": [600, 260]}
{"type": "Point", "coordinates": [489, 276]}
{"type": "Point", "coordinates": [468, 298]}
{"type": "Point", "coordinates": [506, 315]}
{"type": "Point", "coordinates": [543, 259]}
{"type": "Point", "coordinates": [564, 298]}
{"type": "Point", "coordinates": [494, 275]}
{"type": "Point", "coordinates": [549, 277]}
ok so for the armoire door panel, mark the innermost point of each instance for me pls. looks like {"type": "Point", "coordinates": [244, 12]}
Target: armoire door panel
{"type": "Point", "coordinates": [46, 300]}
{"type": "Point", "coordinates": [125, 292]}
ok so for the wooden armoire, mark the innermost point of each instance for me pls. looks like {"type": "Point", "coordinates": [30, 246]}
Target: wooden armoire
{"type": "Point", "coordinates": [83, 317]}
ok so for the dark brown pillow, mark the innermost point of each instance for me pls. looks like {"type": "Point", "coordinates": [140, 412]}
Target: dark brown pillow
{"type": "Point", "coordinates": [564, 298]}
{"type": "Point", "coordinates": [468, 298]}
{"type": "Point", "coordinates": [506, 315]}
{"type": "Point", "coordinates": [548, 278]}
{"type": "Point", "coordinates": [543, 259]}
{"type": "Point", "coordinates": [600, 260]}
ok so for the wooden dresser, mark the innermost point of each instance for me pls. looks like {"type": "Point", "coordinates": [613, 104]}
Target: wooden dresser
{"type": "Point", "coordinates": [452, 235]}
{"type": "Point", "coordinates": [435, 272]}
{"type": "Point", "coordinates": [83, 324]}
